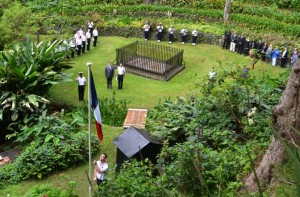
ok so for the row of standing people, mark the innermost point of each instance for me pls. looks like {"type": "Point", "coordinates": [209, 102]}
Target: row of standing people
{"type": "Point", "coordinates": [171, 33]}
{"type": "Point", "coordinates": [82, 39]}
{"type": "Point", "coordinates": [243, 45]}
{"type": "Point", "coordinates": [109, 72]}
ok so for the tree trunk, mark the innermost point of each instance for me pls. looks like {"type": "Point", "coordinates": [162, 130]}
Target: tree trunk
{"type": "Point", "coordinates": [227, 10]}
{"type": "Point", "coordinates": [148, 1]}
{"type": "Point", "coordinates": [286, 117]}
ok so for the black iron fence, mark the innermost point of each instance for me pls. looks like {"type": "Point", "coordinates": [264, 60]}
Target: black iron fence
{"type": "Point", "coordinates": [151, 60]}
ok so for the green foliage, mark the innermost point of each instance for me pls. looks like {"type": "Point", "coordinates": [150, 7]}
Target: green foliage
{"type": "Point", "coordinates": [135, 179]}
{"type": "Point", "coordinates": [210, 135]}
{"type": "Point", "coordinates": [51, 191]}
{"type": "Point", "coordinates": [13, 31]}
{"type": "Point", "coordinates": [42, 158]}
{"type": "Point", "coordinates": [113, 111]}
{"type": "Point", "coordinates": [26, 74]}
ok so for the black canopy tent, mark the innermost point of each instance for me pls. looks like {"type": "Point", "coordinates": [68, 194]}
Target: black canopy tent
{"type": "Point", "coordinates": [136, 143]}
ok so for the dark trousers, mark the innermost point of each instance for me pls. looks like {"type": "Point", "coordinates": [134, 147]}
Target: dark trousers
{"type": "Point", "coordinates": [283, 61]}
{"type": "Point", "coordinates": [263, 56]}
{"type": "Point", "coordinates": [159, 35]}
{"type": "Point", "coordinates": [120, 81]}
{"type": "Point", "coordinates": [73, 52]}
{"type": "Point", "coordinates": [183, 38]}
{"type": "Point", "coordinates": [240, 48]}
{"type": "Point", "coordinates": [95, 40]}
{"type": "Point", "coordinates": [100, 182]}
{"type": "Point", "coordinates": [171, 37]}
{"type": "Point", "coordinates": [246, 51]}
{"type": "Point", "coordinates": [78, 49]}
{"type": "Point", "coordinates": [83, 47]}
{"type": "Point", "coordinates": [88, 44]}
{"type": "Point", "coordinates": [81, 92]}
{"type": "Point", "coordinates": [146, 34]}
{"type": "Point", "coordinates": [226, 43]}
{"type": "Point", "coordinates": [194, 39]}
{"type": "Point", "coordinates": [109, 82]}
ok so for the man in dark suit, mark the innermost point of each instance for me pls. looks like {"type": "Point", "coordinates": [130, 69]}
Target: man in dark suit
{"type": "Point", "coordinates": [227, 37]}
{"type": "Point", "coordinates": [241, 43]}
{"type": "Point", "coordinates": [284, 57]}
{"type": "Point", "coordinates": [109, 74]}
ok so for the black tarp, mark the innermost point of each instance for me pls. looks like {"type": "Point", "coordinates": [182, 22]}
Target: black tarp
{"type": "Point", "coordinates": [136, 143]}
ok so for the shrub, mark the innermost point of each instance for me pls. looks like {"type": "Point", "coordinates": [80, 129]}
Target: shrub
{"type": "Point", "coordinates": [51, 191]}
{"type": "Point", "coordinates": [40, 159]}
{"type": "Point", "coordinates": [113, 111]}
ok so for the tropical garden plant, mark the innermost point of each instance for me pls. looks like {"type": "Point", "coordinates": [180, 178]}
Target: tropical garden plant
{"type": "Point", "coordinates": [27, 71]}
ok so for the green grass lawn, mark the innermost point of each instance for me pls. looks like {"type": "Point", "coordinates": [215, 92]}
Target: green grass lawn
{"type": "Point", "coordinates": [141, 92]}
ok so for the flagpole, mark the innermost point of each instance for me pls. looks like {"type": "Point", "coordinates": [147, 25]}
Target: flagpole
{"type": "Point", "coordinates": [90, 138]}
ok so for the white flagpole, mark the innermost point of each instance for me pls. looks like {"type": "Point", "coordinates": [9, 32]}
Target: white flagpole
{"type": "Point", "coordinates": [90, 138]}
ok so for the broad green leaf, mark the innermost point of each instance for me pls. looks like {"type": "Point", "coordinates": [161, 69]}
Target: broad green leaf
{"type": "Point", "coordinates": [56, 141]}
{"type": "Point", "coordinates": [48, 138]}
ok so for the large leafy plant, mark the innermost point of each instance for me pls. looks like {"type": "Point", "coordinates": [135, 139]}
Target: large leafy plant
{"type": "Point", "coordinates": [27, 71]}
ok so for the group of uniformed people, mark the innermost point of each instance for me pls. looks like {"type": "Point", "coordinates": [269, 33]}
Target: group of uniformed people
{"type": "Point", "coordinates": [171, 33]}
{"type": "Point", "coordinates": [82, 39]}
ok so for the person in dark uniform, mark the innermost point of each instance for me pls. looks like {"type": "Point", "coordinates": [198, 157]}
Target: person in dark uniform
{"type": "Point", "coordinates": [227, 38]}
{"type": "Point", "coordinates": [247, 46]}
{"type": "Point", "coordinates": [263, 52]}
{"type": "Point", "coordinates": [241, 44]}
{"type": "Point", "coordinates": [284, 57]}
{"type": "Point", "coordinates": [109, 74]}
{"type": "Point", "coordinates": [121, 74]}
{"type": "Point", "coordinates": [81, 85]}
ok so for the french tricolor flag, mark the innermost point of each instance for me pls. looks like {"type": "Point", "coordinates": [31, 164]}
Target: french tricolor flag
{"type": "Point", "coordinates": [96, 108]}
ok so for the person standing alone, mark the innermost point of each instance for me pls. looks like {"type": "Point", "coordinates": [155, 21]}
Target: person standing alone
{"type": "Point", "coordinates": [121, 74]}
{"type": "Point", "coordinates": [109, 74]}
{"type": "Point", "coordinates": [101, 168]}
{"type": "Point", "coordinates": [81, 85]}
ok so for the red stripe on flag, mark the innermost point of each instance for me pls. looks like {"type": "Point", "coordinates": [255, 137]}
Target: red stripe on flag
{"type": "Point", "coordinates": [99, 131]}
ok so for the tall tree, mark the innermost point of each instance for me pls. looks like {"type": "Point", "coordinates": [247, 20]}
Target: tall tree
{"type": "Point", "coordinates": [286, 119]}
{"type": "Point", "coordinates": [227, 10]}
{"type": "Point", "coordinates": [14, 24]}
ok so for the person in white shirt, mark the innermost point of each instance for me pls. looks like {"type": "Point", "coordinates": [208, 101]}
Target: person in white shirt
{"type": "Point", "coordinates": [184, 33]}
{"type": "Point", "coordinates": [146, 28]}
{"type": "Point", "coordinates": [194, 36]}
{"type": "Point", "coordinates": [90, 25]}
{"type": "Point", "coordinates": [81, 85]}
{"type": "Point", "coordinates": [72, 46]}
{"type": "Point", "coordinates": [78, 45]}
{"type": "Point", "coordinates": [171, 31]}
{"type": "Point", "coordinates": [83, 39]}
{"type": "Point", "coordinates": [88, 39]}
{"type": "Point", "coordinates": [160, 29]}
{"type": "Point", "coordinates": [80, 31]}
{"type": "Point", "coordinates": [76, 35]}
{"type": "Point", "coordinates": [121, 74]}
{"type": "Point", "coordinates": [101, 168]}
{"type": "Point", "coordinates": [95, 35]}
